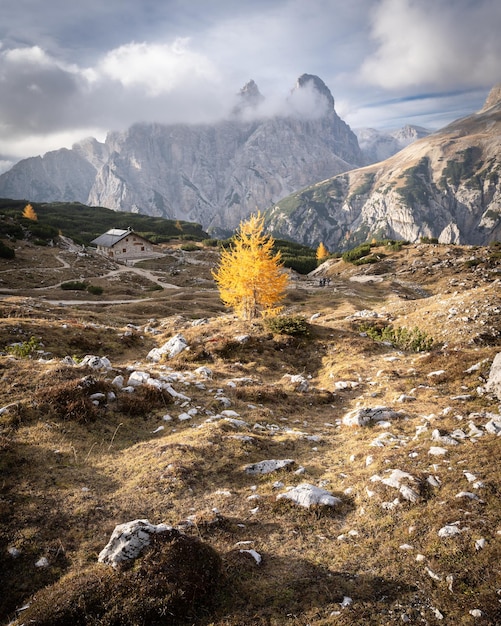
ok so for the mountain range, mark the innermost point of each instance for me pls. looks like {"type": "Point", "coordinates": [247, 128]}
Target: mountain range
{"type": "Point", "coordinates": [444, 186]}
{"type": "Point", "coordinates": [404, 184]}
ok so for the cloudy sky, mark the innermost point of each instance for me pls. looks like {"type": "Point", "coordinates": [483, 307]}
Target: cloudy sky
{"type": "Point", "coordinates": [69, 70]}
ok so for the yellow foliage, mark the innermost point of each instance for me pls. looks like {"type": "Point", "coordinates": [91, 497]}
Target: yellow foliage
{"type": "Point", "coordinates": [322, 252]}
{"type": "Point", "coordinates": [250, 275]}
{"type": "Point", "coordinates": [29, 213]}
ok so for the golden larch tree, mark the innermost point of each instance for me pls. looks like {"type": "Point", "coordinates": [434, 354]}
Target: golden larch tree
{"type": "Point", "coordinates": [29, 213]}
{"type": "Point", "coordinates": [250, 276]}
{"type": "Point", "coordinates": [322, 253]}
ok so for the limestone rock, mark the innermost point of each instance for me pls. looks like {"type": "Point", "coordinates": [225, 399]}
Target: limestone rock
{"type": "Point", "coordinates": [128, 540]}
{"type": "Point", "coordinates": [362, 416]}
{"type": "Point", "coordinates": [307, 495]}
{"type": "Point", "coordinates": [493, 384]}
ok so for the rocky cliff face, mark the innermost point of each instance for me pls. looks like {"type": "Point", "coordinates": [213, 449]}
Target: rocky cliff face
{"type": "Point", "coordinates": [212, 174]}
{"type": "Point", "coordinates": [445, 186]}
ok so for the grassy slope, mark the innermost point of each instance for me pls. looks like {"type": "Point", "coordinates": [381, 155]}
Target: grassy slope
{"type": "Point", "coordinates": [70, 474]}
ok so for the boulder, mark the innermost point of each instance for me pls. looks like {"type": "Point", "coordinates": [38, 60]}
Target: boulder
{"type": "Point", "coordinates": [493, 384]}
{"type": "Point", "coordinates": [171, 348]}
{"type": "Point", "coordinates": [308, 495]}
{"type": "Point", "coordinates": [266, 467]}
{"type": "Point", "coordinates": [363, 415]}
{"type": "Point", "coordinates": [128, 541]}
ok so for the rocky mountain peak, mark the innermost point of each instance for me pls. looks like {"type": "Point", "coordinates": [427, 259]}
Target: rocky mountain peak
{"type": "Point", "coordinates": [310, 80]}
{"type": "Point", "coordinates": [493, 98]}
{"type": "Point", "coordinates": [249, 98]}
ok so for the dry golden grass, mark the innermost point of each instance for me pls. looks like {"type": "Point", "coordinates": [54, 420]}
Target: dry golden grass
{"type": "Point", "coordinates": [71, 470]}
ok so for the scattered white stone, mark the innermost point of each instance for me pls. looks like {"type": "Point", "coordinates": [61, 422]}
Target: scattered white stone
{"type": "Point", "coordinates": [436, 373]}
{"type": "Point", "coordinates": [437, 451]}
{"type": "Point", "coordinates": [157, 430]}
{"type": "Point", "coordinates": [14, 552]}
{"type": "Point", "coordinates": [420, 558]}
{"type": "Point", "coordinates": [480, 544]}
{"type": "Point", "coordinates": [204, 371]}
{"type": "Point", "coordinates": [340, 385]}
{"type": "Point", "coordinates": [298, 381]}
{"type": "Point", "coordinates": [432, 574]}
{"type": "Point", "coordinates": [128, 540]}
{"type": "Point", "coordinates": [436, 612]}
{"type": "Point", "coordinates": [346, 601]}
{"type": "Point", "coordinates": [396, 477]}
{"type": "Point", "coordinates": [364, 415]}
{"type": "Point", "coordinates": [43, 562]}
{"type": "Point", "coordinates": [476, 367]}
{"type": "Point", "coordinates": [474, 430]}
{"type": "Point", "coordinates": [493, 384]}
{"type": "Point", "coordinates": [476, 612]}
{"type": "Point", "coordinates": [445, 440]}
{"type": "Point", "coordinates": [409, 494]}
{"type": "Point", "coordinates": [471, 478]}
{"type": "Point", "coordinates": [137, 378]}
{"type": "Point", "coordinates": [268, 466]}
{"type": "Point", "coordinates": [390, 506]}
{"type": "Point", "coordinates": [449, 530]}
{"type": "Point", "coordinates": [242, 338]}
{"type": "Point", "coordinates": [118, 381]}
{"type": "Point", "coordinates": [467, 494]}
{"type": "Point", "coordinates": [493, 426]}
{"type": "Point", "coordinates": [167, 418]}
{"type": "Point", "coordinates": [96, 362]}
{"type": "Point", "coordinates": [405, 398]}
{"type": "Point", "coordinates": [171, 348]}
{"type": "Point", "coordinates": [308, 495]}
{"type": "Point", "coordinates": [406, 546]}
{"type": "Point", "coordinates": [255, 555]}
{"type": "Point", "coordinates": [183, 417]}
{"type": "Point", "coordinates": [434, 481]}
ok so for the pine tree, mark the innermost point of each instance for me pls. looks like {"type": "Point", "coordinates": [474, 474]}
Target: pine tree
{"type": "Point", "coordinates": [322, 253]}
{"type": "Point", "coordinates": [250, 275]}
{"type": "Point", "coordinates": [29, 213]}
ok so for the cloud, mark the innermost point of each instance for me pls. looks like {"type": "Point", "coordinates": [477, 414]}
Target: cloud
{"type": "Point", "coordinates": [434, 43]}
{"type": "Point", "coordinates": [158, 68]}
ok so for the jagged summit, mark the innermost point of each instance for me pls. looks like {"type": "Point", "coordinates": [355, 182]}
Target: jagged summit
{"type": "Point", "coordinates": [318, 84]}
{"type": "Point", "coordinates": [493, 98]}
{"type": "Point", "coordinates": [249, 97]}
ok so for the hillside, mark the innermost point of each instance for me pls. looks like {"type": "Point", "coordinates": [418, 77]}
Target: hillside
{"type": "Point", "coordinates": [403, 443]}
{"type": "Point", "coordinates": [443, 186]}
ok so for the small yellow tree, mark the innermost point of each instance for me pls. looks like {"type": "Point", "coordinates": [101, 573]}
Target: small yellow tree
{"type": "Point", "coordinates": [322, 253]}
{"type": "Point", "coordinates": [250, 275]}
{"type": "Point", "coordinates": [29, 213]}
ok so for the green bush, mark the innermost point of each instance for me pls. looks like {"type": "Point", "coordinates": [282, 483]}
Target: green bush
{"type": "Point", "coordinates": [189, 247]}
{"type": "Point", "coordinates": [24, 349]}
{"type": "Point", "coordinates": [350, 256]}
{"type": "Point", "coordinates": [428, 239]}
{"type": "Point", "coordinates": [293, 325]}
{"type": "Point", "coordinates": [74, 285]}
{"type": "Point", "coordinates": [210, 243]}
{"type": "Point", "coordinates": [412, 340]}
{"type": "Point", "coordinates": [6, 252]}
{"type": "Point", "coordinates": [95, 290]}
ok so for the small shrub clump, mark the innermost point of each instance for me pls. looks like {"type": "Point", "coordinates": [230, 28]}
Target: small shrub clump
{"type": "Point", "coordinates": [25, 349]}
{"type": "Point", "coordinates": [413, 340]}
{"type": "Point", "coordinates": [293, 325]}
{"type": "Point", "coordinates": [95, 290]}
{"type": "Point", "coordinates": [74, 285]}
